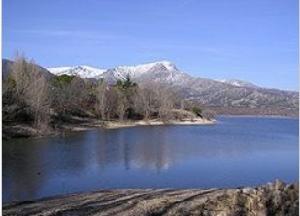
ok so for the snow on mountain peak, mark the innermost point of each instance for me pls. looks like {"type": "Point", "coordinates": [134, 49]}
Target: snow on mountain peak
{"type": "Point", "coordinates": [85, 71]}
{"type": "Point", "coordinates": [169, 65]}
{"type": "Point", "coordinates": [82, 71]}
{"type": "Point", "coordinates": [57, 70]}
{"type": "Point", "coordinates": [146, 67]}
{"type": "Point", "coordinates": [159, 70]}
{"type": "Point", "coordinates": [238, 83]}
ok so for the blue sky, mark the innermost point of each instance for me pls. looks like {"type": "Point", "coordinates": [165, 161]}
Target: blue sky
{"type": "Point", "coordinates": [254, 40]}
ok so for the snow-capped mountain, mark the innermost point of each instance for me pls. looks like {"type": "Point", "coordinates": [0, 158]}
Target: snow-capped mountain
{"type": "Point", "coordinates": [220, 94]}
{"type": "Point", "coordinates": [163, 71]}
{"type": "Point", "coordinates": [138, 70]}
{"type": "Point", "coordinates": [206, 91]}
{"type": "Point", "coordinates": [82, 71]}
{"type": "Point", "coordinates": [160, 71]}
{"type": "Point", "coordinates": [166, 73]}
{"type": "Point", "coordinates": [238, 83]}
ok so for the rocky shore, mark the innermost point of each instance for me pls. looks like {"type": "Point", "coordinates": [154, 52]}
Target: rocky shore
{"type": "Point", "coordinates": [276, 199]}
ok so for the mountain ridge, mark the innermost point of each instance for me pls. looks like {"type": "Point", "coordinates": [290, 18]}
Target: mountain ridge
{"type": "Point", "coordinates": [83, 71]}
{"type": "Point", "coordinates": [134, 71]}
{"type": "Point", "coordinates": [222, 97]}
{"type": "Point", "coordinates": [241, 83]}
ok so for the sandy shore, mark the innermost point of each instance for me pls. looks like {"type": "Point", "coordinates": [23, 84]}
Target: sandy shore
{"type": "Point", "coordinates": [118, 124]}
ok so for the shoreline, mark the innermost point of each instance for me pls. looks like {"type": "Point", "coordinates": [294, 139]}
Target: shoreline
{"type": "Point", "coordinates": [27, 131]}
{"type": "Point", "coordinates": [114, 124]}
{"type": "Point", "coordinates": [20, 130]}
{"type": "Point", "coordinates": [259, 116]}
{"type": "Point", "coordinates": [275, 198]}
{"type": "Point", "coordinates": [156, 122]}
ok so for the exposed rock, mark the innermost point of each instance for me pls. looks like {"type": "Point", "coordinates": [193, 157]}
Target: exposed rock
{"type": "Point", "coordinates": [272, 199]}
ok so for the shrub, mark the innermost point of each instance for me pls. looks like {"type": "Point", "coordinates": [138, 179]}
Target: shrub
{"type": "Point", "coordinates": [62, 80]}
{"type": "Point", "coordinates": [197, 111]}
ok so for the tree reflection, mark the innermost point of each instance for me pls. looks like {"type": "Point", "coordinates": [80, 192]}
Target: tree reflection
{"type": "Point", "coordinates": [91, 159]}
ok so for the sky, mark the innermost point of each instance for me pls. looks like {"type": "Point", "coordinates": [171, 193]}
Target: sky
{"type": "Point", "coordinates": [253, 40]}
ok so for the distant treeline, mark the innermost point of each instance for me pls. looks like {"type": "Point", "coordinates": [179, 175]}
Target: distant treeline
{"type": "Point", "coordinates": [31, 97]}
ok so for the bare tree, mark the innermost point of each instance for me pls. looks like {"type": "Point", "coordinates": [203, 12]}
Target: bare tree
{"type": "Point", "coordinates": [32, 90]}
{"type": "Point", "coordinates": [37, 97]}
{"type": "Point", "coordinates": [146, 101]}
{"type": "Point", "coordinates": [166, 101]}
{"type": "Point", "coordinates": [70, 96]}
{"type": "Point", "coordinates": [21, 74]}
{"type": "Point", "coordinates": [122, 104]}
{"type": "Point", "coordinates": [101, 99]}
{"type": "Point", "coordinates": [112, 103]}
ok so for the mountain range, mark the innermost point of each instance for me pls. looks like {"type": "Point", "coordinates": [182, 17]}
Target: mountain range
{"type": "Point", "coordinates": [165, 68]}
{"type": "Point", "coordinates": [224, 96]}
{"type": "Point", "coordinates": [135, 72]}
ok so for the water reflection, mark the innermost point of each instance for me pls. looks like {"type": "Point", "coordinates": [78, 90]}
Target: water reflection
{"type": "Point", "coordinates": [157, 156]}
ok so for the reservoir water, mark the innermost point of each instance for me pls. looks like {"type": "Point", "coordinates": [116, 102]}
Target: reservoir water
{"type": "Point", "coordinates": [237, 151]}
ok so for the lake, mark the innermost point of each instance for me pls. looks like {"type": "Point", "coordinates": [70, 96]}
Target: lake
{"type": "Point", "coordinates": [237, 151]}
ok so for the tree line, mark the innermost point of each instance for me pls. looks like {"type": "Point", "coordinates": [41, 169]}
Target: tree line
{"type": "Point", "coordinates": [30, 96]}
